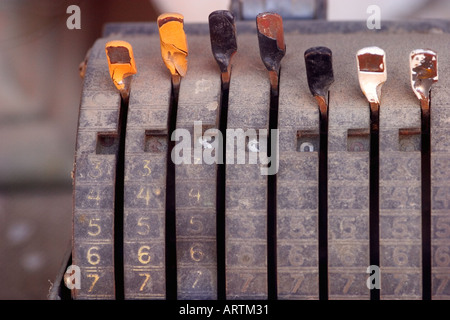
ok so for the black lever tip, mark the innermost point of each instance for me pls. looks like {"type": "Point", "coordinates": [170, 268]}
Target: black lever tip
{"type": "Point", "coordinates": [222, 31]}
{"type": "Point", "coordinates": [319, 70]}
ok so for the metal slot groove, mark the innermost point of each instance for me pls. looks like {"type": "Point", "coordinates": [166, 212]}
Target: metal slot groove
{"type": "Point", "coordinates": [118, 203]}
{"type": "Point", "coordinates": [171, 255]}
{"type": "Point", "coordinates": [220, 196]}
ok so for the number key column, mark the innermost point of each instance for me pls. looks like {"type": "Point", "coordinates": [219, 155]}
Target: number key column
{"type": "Point", "coordinates": [246, 188]}
{"type": "Point", "coordinates": [348, 177]}
{"type": "Point", "coordinates": [145, 174]}
{"type": "Point", "coordinates": [94, 180]}
{"type": "Point", "coordinates": [440, 175]}
{"type": "Point", "coordinates": [400, 182]}
{"type": "Point", "coordinates": [297, 180]}
{"type": "Point", "coordinates": [196, 180]}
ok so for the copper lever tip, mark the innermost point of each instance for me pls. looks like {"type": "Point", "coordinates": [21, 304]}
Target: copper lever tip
{"type": "Point", "coordinates": [371, 62]}
{"type": "Point", "coordinates": [424, 72]}
{"type": "Point", "coordinates": [271, 43]}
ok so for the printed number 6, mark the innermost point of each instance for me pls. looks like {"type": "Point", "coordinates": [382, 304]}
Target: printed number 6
{"type": "Point", "coordinates": [144, 256]}
{"type": "Point", "coordinates": [93, 258]}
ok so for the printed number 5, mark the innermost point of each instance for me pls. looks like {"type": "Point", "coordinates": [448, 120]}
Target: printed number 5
{"type": "Point", "coordinates": [95, 226]}
{"type": "Point", "coordinates": [145, 226]}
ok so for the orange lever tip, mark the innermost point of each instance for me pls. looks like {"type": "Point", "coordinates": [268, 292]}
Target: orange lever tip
{"type": "Point", "coordinates": [120, 61]}
{"type": "Point", "coordinates": [174, 49]}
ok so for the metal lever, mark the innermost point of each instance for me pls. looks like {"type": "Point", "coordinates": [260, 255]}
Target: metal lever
{"type": "Point", "coordinates": [271, 44]}
{"type": "Point", "coordinates": [424, 72]}
{"type": "Point", "coordinates": [372, 75]}
{"type": "Point", "coordinates": [319, 70]}
{"type": "Point", "coordinates": [121, 65]}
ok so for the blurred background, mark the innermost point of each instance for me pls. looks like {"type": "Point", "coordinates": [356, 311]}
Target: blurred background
{"type": "Point", "coordinates": [40, 89]}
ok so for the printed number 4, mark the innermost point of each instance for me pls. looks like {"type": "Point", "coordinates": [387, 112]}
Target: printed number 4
{"type": "Point", "coordinates": [145, 196]}
{"type": "Point", "coordinates": [94, 195]}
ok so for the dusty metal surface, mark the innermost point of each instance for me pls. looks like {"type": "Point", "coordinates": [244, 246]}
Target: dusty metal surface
{"type": "Point", "coordinates": [196, 180]}
{"type": "Point", "coordinates": [246, 188]}
{"type": "Point", "coordinates": [348, 178]}
{"type": "Point", "coordinates": [297, 180]}
{"type": "Point", "coordinates": [440, 190]}
{"type": "Point", "coordinates": [400, 226]}
{"type": "Point", "coordinates": [400, 181]}
{"type": "Point", "coordinates": [145, 175]}
{"type": "Point", "coordinates": [94, 180]}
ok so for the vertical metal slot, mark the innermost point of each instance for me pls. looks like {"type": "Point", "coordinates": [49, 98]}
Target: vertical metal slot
{"type": "Point", "coordinates": [374, 192]}
{"type": "Point", "coordinates": [118, 203]}
{"type": "Point", "coordinates": [220, 193]}
{"type": "Point", "coordinates": [323, 205]}
{"type": "Point", "coordinates": [426, 200]}
{"type": "Point", "coordinates": [171, 248]}
{"type": "Point", "coordinates": [272, 201]}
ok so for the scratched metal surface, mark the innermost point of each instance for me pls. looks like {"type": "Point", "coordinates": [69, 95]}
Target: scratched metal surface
{"type": "Point", "coordinates": [348, 173]}
{"type": "Point", "coordinates": [196, 182]}
{"type": "Point", "coordinates": [145, 174]}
